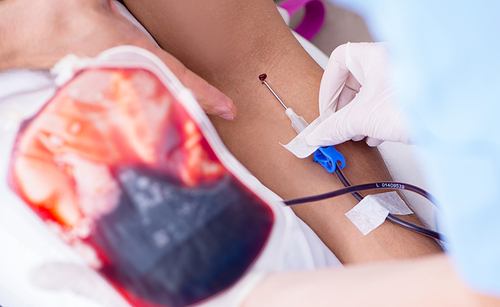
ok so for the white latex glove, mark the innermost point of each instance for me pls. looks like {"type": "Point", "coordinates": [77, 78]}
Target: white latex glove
{"type": "Point", "coordinates": [356, 86]}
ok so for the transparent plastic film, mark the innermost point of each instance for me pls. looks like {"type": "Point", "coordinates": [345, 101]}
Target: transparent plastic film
{"type": "Point", "coordinates": [118, 168]}
{"type": "Point", "coordinates": [298, 122]}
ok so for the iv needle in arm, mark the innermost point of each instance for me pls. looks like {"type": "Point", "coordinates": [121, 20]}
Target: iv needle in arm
{"type": "Point", "coordinates": [298, 122]}
{"type": "Point", "coordinates": [263, 79]}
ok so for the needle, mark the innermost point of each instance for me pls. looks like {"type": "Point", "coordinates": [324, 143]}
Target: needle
{"type": "Point", "coordinates": [263, 79]}
{"type": "Point", "coordinates": [298, 122]}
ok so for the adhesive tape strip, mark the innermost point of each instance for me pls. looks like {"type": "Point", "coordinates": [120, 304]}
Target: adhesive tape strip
{"type": "Point", "coordinates": [372, 211]}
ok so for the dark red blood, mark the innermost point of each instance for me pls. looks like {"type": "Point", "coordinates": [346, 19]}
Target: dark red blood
{"type": "Point", "coordinates": [191, 232]}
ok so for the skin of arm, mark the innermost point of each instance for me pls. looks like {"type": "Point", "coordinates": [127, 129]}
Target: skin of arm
{"type": "Point", "coordinates": [36, 34]}
{"type": "Point", "coordinates": [230, 43]}
{"type": "Point", "coordinates": [428, 281]}
{"type": "Point", "coordinates": [291, 289]}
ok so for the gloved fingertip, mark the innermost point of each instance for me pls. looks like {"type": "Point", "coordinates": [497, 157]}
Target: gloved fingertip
{"type": "Point", "coordinates": [313, 141]}
{"type": "Point", "coordinates": [372, 142]}
{"type": "Point", "coordinates": [339, 54]}
{"type": "Point", "coordinates": [357, 138]}
{"type": "Point", "coordinates": [319, 141]}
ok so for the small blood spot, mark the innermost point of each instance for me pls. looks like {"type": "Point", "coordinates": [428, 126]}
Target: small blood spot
{"type": "Point", "coordinates": [262, 77]}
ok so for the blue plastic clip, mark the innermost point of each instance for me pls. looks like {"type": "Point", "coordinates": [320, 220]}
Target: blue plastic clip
{"type": "Point", "coordinates": [328, 157]}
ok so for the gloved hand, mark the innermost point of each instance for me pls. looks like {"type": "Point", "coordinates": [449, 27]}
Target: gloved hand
{"type": "Point", "coordinates": [357, 87]}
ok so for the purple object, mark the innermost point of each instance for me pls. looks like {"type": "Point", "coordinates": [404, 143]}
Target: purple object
{"type": "Point", "coordinates": [313, 18]}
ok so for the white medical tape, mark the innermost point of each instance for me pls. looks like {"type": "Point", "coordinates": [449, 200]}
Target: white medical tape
{"type": "Point", "coordinates": [372, 211]}
{"type": "Point", "coordinates": [298, 146]}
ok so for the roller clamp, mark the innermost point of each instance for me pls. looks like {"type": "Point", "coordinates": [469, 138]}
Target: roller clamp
{"type": "Point", "coordinates": [328, 157]}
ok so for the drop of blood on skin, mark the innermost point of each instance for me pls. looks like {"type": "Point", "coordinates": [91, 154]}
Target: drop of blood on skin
{"type": "Point", "coordinates": [262, 77]}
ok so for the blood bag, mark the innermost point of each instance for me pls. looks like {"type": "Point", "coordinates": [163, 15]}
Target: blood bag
{"type": "Point", "coordinates": [122, 166]}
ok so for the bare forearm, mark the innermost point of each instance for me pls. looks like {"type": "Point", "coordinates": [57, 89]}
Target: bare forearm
{"type": "Point", "coordinates": [36, 34]}
{"type": "Point", "coordinates": [230, 43]}
{"type": "Point", "coordinates": [8, 46]}
{"type": "Point", "coordinates": [430, 281]}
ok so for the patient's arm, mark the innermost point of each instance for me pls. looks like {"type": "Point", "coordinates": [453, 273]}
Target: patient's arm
{"type": "Point", "coordinates": [429, 281]}
{"type": "Point", "coordinates": [36, 34]}
{"type": "Point", "coordinates": [230, 43]}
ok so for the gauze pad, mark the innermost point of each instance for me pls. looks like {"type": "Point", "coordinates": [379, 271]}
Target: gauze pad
{"type": "Point", "coordinates": [372, 211]}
